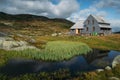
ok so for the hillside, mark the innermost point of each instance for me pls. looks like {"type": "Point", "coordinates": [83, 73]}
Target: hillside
{"type": "Point", "coordinates": [32, 25]}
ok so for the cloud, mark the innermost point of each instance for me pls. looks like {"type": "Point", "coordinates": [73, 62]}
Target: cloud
{"type": "Point", "coordinates": [47, 8]}
{"type": "Point", "coordinates": [83, 14]}
{"type": "Point", "coordinates": [96, 9]}
{"type": "Point", "coordinates": [115, 24]}
{"type": "Point", "coordinates": [115, 4]}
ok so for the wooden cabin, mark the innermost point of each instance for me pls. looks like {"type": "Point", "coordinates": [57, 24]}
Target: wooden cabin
{"type": "Point", "coordinates": [93, 25]}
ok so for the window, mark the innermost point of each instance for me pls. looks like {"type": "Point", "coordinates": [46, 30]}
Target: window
{"type": "Point", "coordinates": [86, 28]}
{"type": "Point", "coordinates": [92, 21]}
{"type": "Point", "coordinates": [93, 28]}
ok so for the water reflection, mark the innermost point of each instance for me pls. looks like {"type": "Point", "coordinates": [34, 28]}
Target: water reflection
{"type": "Point", "coordinates": [94, 60]}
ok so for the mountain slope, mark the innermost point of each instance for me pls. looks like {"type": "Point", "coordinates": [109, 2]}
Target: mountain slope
{"type": "Point", "coordinates": [28, 24]}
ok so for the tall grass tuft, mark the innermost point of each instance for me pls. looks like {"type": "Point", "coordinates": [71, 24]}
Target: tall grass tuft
{"type": "Point", "coordinates": [60, 50]}
{"type": "Point", "coordinates": [54, 51]}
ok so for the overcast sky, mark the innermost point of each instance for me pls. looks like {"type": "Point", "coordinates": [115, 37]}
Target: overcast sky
{"type": "Point", "coordinates": [73, 10]}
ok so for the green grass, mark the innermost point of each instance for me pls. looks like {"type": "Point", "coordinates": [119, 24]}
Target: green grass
{"type": "Point", "coordinates": [110, 42]}
{"type": "Point", "coordinates": [53, 51]}
{"type": "Point", "coordinates": [60, 50]}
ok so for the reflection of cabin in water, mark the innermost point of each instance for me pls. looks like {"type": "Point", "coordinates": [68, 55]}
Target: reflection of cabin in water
{"type": "Point", "coordinates": [96, 54]}
{"type": "Point", "coordinates": [93, 25]}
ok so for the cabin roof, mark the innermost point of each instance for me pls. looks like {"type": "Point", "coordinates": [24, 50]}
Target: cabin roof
{"type": "Point", "coordinates": [100, 19]}
{"type": "Point", "coordinates": [78, 25]}
{"type": "Point", "coordinates": [102, 22]}
{"type": "Point", "coordinates": [104, 26]}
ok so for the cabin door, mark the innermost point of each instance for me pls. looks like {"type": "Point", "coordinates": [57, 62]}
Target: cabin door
{"type": "Point", "coordinates": [77, 31]}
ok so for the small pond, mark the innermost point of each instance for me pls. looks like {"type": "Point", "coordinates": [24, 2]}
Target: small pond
{"type": "Point", "coordinates": [94, 60]}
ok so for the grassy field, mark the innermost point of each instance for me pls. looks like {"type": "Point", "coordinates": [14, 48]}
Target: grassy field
{"type": "Point", "coordinates": [32, 25]}
{"type": "Point", "coordinates": [111, 42]}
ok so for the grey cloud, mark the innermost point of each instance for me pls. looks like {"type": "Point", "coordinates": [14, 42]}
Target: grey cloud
{"type": "Point", "coordinates": [115, 4]}
{"type": "Point", "coordinates": [40, 7]}
{"type": "Point", "coordinates": [115, 24]}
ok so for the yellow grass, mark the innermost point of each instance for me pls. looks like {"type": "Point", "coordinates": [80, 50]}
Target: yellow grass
{"type": "Point", "coordinates": [111, 42]}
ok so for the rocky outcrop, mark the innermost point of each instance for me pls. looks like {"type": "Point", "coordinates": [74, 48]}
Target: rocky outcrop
{"type": "Point", "coordinates": [116, 61]}
{"type": "Point", "coordinates": [10, 44]}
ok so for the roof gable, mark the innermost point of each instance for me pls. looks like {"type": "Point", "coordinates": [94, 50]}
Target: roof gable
{"type": "Point", "coordinates": [99, 19]}
{"type": "Point", "coordinates": [78, 25]}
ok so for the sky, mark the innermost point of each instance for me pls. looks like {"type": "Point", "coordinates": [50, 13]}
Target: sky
{"type": "Point", "coordinates": [72, 10]}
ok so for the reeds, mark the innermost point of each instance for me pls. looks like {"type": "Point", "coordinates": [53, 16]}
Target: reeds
{"type": "Point", "coordinates": [54, 50]}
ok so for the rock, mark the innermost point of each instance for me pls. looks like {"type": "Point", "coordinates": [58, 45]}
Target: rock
{"type": "Point", "coordinates": [19, 35]}
{"type": "Point", "coordinates": [24, 47]}
{"type": "Point", "coordinates": [59, 33]}
{"type": "Point", "coordinates": [1, 41]}
{"type": "Point", "coordinates": [116, 61]}
{"type": "Point", "coordinates": [114, 78]}
{"type": "Point", "coordinates": [14, 45]}
{"type": "Point", "coordinates": [54, 34]}
{"type": "Point", "coordinates": [7, 45]}
{"type": "Point", "coordinates": [108, 68]}
{"type": "Point", "coordinates": [2, 34]}
{"type": "Point", "coordinates": [32, 40]}
{"type": "Point", "coordinates": [9, 39]}
{"type": "Point", "coordinates": [99, 70]}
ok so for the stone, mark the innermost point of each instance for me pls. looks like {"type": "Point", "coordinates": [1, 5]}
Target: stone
{"type": "Point", "coordinates": [9, 39]}
{"type": "Point", "coordinates": [2, 34]}
{"type": "Point", "coordinates": [1, 42]}
{"type": "Point", "coordinates": [7, 45]}
{"type": "Point", "coordinates": [32, 40]}
{"type": "Point", "coordinates": [59, 33]}
{"type": "Point", "coordinates": [54, 34]}
{"type": "Point", "coordinates": [14, 45]}
{"type": "Point", "coordinates": [108, 68]}
{"type": "Point", "coordinates": [19, 35]}
{"type": "Point", "coordinates": [114, 78]}
{"type": "Point", "coordinates": [24, 47]}
{"type": "Point", "coordinates": [116, 61]}
{"type": "Point", "coordinates": [100, 70]}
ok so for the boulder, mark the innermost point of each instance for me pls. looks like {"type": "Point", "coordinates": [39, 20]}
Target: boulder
{"type": "Point", "coordinates": [54, 34]}
{"type": "Point", "coordinates": [14, 45]}
{"type": "Point", "coordinates": [7, 45]}
{"type": "Point", "coordinates": [100, 70]}
{"type": "Point", "coordinates": [32, 40]}
{"type": "Point", "coordinates": [59, 34]}
{"type": "Point", "coordinates": [116, 61]}
{"type": "Point", "coordinates": [24, 47]}
{"type": "Point", "coordinates": [114, 78]}
{"type": "Point", "coordinates": [9, 39]}
{"type": "Point", "coordinates": [108, 68]}
{"type": "Point", "coordinates": [2, 34]}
